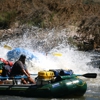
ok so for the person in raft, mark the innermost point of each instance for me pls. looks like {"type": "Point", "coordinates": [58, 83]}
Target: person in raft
{"type": "Point", "coordinates": [19, 68]}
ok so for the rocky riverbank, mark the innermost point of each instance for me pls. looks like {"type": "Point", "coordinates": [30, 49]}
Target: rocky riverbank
{"type": "Point", "coordinates": [81, 18]}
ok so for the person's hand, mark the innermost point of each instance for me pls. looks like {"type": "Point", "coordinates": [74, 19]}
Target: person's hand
{"type": "Point", "coordinates": [28, 76]}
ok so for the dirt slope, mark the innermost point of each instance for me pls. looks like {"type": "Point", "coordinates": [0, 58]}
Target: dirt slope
{"type": "Point", "coordinates": [84, 14]}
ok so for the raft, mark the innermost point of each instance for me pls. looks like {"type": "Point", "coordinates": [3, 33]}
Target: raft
{"type": "Point", "coordinates": [48, 84]}
{"type": "Point", "coordinates": [16, 52]}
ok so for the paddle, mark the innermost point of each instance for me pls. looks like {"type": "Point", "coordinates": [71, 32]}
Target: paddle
{"type": "Point", "coordinates": [7, 47]}
{"type": "Point", "coordinates": [16, 77]}
{"type": "Point", "coordinates": [33, 74]}
{"type": "Point", "coordinates": [57, 54]}
{"type": "Point", "coordinates": [89, 75]}
{"type": "Point", "coordinates": [54, 54]}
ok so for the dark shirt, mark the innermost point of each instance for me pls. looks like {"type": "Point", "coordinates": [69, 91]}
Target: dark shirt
{"type": "Point", "coordinates": [6, 70]}
{"type": "Point", "coordinates": [17, 68]}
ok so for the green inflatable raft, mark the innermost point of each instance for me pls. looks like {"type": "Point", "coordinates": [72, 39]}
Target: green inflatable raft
{"type": "Point", "coordinates": [48, 84]}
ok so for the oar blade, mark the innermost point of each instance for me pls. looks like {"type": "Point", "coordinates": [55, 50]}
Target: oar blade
{"type": "Point", "coordinates": [90, 75]}
{"type": "Point", "coordinates": [7, 47]}
{"type": "Point", "coordinates": [57, 54]}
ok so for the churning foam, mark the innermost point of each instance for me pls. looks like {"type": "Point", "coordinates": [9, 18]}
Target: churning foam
{"type": "Point", "coordinates": [71, 58]}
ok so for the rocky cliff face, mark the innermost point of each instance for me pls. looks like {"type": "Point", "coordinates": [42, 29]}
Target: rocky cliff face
{"type": "Point", "coordinates": [83, 14]}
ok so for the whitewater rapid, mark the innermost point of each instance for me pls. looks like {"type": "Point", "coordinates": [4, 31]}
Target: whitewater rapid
{"type": "Point", "coordinates": [70, 57]}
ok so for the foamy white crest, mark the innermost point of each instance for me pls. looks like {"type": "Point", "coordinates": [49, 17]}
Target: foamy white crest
{"type": "Point", "coordinates": [3, 52]}
{"type": "Point", "coordinates": [70, 58]}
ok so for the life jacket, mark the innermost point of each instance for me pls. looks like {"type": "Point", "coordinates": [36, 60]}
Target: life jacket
{"type": "Point", "coordinates": [6, 62]}
{"type": "Point", "coordinates": [6, 69]}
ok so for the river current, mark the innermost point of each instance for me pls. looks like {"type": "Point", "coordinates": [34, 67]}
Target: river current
{"type": "Point", "coordinates": [43, 44]}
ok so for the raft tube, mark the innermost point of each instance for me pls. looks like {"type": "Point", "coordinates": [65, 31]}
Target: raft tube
{"type": "Point", "coordinates": [15, 54]}
{"type": "Point", "coordinates": [65, 87]}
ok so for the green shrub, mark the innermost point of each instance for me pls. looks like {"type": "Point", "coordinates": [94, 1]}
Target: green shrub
{"type": "Point", "coordinates": [6, 18]}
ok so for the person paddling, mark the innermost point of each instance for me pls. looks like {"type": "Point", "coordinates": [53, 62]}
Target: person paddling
{"type": "Point", "coordinates": [19, 68]}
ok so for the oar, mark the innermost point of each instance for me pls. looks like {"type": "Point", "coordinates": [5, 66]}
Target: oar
{"type": "Point", "coordinates": [10, 48]}
{"type": "Point", "coordinates": [16, 77]}
{"type": "Point", "coordinates": [33, 74]}
{"type": "Point", "coordinates": [57, 54]}
{"type": "Point", "coordinates": [7, 47]}
{"type": "Point", "coordinates": [89, 75]}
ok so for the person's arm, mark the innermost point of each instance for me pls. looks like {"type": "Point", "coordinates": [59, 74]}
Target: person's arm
{"type": "Point", "coordinates": [23, 69]}
{"type": "Point", "coordinates": [27, 72]}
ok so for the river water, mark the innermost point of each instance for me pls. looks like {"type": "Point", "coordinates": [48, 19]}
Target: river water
{"type": "Point", "coordinates": [43, 44]}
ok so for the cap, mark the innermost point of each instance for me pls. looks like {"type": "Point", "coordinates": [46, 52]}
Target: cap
{"type": "Point", "coordinates": [22, 57]}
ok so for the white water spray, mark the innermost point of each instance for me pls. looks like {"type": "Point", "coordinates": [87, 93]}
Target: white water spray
{"type": "Point", "coordinates": [70, 58]}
